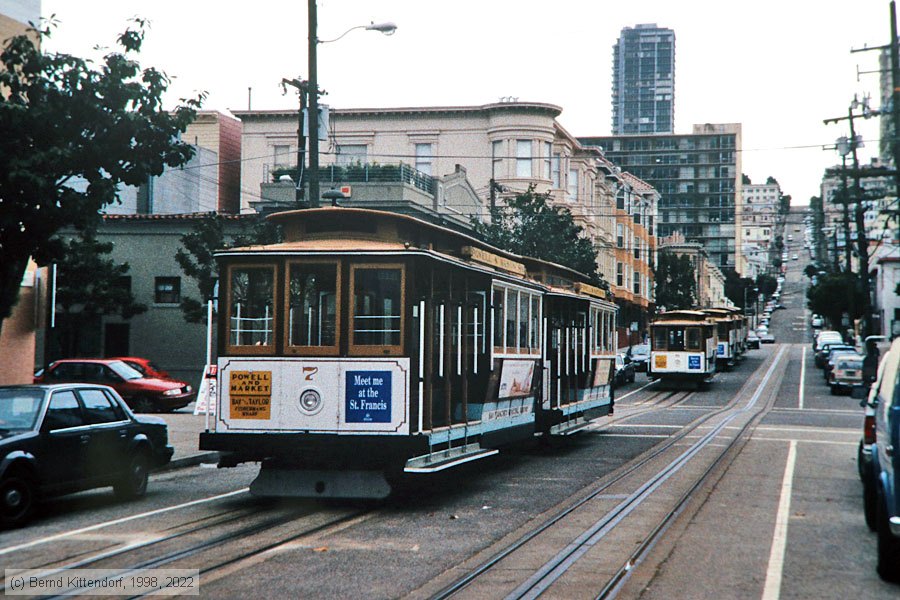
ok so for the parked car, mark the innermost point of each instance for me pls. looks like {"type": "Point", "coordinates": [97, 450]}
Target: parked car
{"type": "Point", "coordinates": [868, 396]}
{"type": "Point", "coordinates": [825, 335]}
{"type": "Point", "coordinates": [752, 340]}
{"type": "Point", "coordinates": [624, 371]}
{"type": "Point", "coordinates": [824, 352]}
{"type": "Point", "coordinates": [640, 356]}
{"type": "Point", "coordinates": [144, 365]}
{"type": "Point", "coordinates": [767, 338]}
{"type": "Point", "coordinates": [834, 356]}
{"type": "Point", "coordinates": [64, 438]}
{"type": "Point", "coordinates": [847, 372]}
{"type": "Point", "coordinates": [885, 467]}
{"type": "Point", "coordinates": [817, 322]}
{"type": "Point", "coordinates": [143, 394]}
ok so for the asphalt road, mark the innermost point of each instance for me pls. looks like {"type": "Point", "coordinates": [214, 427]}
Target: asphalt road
{"type": "Point", "coordinates": [780, 515]}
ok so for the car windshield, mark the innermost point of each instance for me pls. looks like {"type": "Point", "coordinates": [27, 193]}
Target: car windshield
{"type": "Point", "coordinates": [641, 350]}
{"type": "Point", "coordinates": [19, 408]}
{"type": "Point", "coordinates": [124, 371]}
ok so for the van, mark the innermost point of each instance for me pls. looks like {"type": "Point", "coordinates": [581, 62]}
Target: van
{"type": "Point", "coordinates": [885, 467]}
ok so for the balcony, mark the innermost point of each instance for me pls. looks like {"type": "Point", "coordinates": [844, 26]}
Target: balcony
{"type": "Point", "coordinates": [333, 175]}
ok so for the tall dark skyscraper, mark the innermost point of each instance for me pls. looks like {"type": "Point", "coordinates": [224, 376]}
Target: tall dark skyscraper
{"type": "Point", "coordinates": [643, 94]}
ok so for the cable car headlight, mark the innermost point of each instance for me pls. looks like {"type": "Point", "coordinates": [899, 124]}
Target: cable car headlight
{"type": "Point", "coordinates": [310, 402]}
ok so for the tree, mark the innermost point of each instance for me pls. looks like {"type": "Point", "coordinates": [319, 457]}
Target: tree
{"type": "Point", "coordinates": [73, 132]}
{"type": "Point", "coordinates": [834, 295]}
{"type": "Point", "coordinates": [766, 284]}
{"type": "Point", "coordinates": [735, 286]}
{"type": "Point", "coordinates": [676, 287]}
{"type": "Point", "coordinates": [745, 179]}
{"type": "Point", "coordinates": [90, 286]}
{"type": "Point", "coordinates": [200, 244]}
{"type": "Point", "coordinates": [530, 226]}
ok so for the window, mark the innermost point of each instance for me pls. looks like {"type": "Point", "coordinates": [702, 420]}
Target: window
{"type": "Point", "coordinates": [548, 154]}
{"type": "Point", "coordinates": [98, 408]}
{"type": "Point", "coordinates": [63, 412]}
{"type": "Point", "coordinates": [497, 156]}
{"type": "Point", "coordinates": [498, 306]}
{"type": "Point", "coordinates": [523, 158]}
{"type": "Point", "coordinates": [282, 156]}
{"type": "Point", "coordinates": [572, 186]}
{"type": "Point", "coordinates": [424, 156]}
{"type": "Point", "coordinates": [620, 235]}
{"type": "Point", "coordinates": [312, 320]}
{"type": "Point", "coordinates": [167, 290]}
{"type": "Point", "coordinates": [693, 338]}
{"type": "Point", "coordinates": [620, 274]}
{"type": "Point", "coordinates": [675, 339]}
{"type": "Point", "coordinates": [377, 312]}
{"type": "Point", "coordinates": [555, 170]}
{"type": "Point", "coordinates": [349, 154]}
{"type": "Point", "coordinates": [512, 311]}
{"type": "Point", "coordinates": [637, 284]}
{"type": "Point", "coordinates": [517, 320]}
{"type": "Point", "coordinates": [250, 305]}
{"type": "Point", "coordinates": [659, 338]}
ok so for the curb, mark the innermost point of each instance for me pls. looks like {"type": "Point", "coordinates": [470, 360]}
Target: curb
{"type": "Point", "coordinates": [189, 461]}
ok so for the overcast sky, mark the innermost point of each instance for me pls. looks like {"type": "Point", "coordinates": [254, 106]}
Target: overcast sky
{"type": "Point", "coordinates": [779, 67]}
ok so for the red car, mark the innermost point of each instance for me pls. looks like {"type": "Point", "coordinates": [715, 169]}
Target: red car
{"type": "Point", "coordinates": [144, 365]}
{"type": "Point", "coordinates": [141, 393]}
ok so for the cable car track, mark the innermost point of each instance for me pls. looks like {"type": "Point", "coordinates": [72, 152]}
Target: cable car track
{"type": "Point", "coordinates": [554, 569]}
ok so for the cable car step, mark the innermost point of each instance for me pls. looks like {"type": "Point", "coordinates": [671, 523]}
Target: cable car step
{"type": "Point", "coordinates": [444, 459]}
{"type": "Point", "coordinates": [569, 427]}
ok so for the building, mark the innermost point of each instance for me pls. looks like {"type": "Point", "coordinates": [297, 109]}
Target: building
{"type": "Point", "coordinates": [643, 92]}
{"type": "Point", "coordinates": [698, 177]}
{"type": "Point", "coordinates": [504, 149]}
{"type": "Point", "coordinates": [20, 331]}
{"type": "Point", "coordinates": [761, 203]}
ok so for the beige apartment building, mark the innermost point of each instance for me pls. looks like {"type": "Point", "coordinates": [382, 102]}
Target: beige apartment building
{"type": "Point", "coordinates": [504, 149]}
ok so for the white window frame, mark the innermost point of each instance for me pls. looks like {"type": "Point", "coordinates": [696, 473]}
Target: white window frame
{"type": "Point", "coordinates": [524, 156]}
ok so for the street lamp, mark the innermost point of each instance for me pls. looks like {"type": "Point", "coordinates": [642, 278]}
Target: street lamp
{"type": "Point", "coordinates": [313, 111]}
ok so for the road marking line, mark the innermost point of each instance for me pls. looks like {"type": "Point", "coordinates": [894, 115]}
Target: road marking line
{"type": "Point", "coordinates": [772, 439]}
{"type": "Point", "coordinates": [633, 435]}
{"type": "Point", "coordinates": [805, 429]}
{"type": "Point", "coordinates": [843, 411]}
{"type": "Point", "coordinates": [633, 425]}
{"type": "Point", "coordinates": [802, 375]}
{"type": "Point", "coordinates": [772, 589]}
{"type": "Point", "coordinates": [636, 391]}
{"type": "Point", "coordinates": [158, 511]}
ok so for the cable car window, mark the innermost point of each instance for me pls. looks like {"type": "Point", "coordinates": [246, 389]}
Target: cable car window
{"type": "Point", "coordinates": [377, 310]}
{"type": "Point", "coordinates": [693, 338]}
{"type": "Point", "coordinates": [535, 340]}
{"type": "Point", "coordinates": [524, 305]}
{"type": "Point", "coordinates": [312, 319]}
{"type": "Point", "coordinates": [499, 303]}
{"type": "Point", "coordinates": [675, 339]}
{"type": "Point", "coordinates": [251, 302]}
{"type": "Point", "coordinates": [659, 338]}
{"type": "Point", "coordinates": [512, 309]}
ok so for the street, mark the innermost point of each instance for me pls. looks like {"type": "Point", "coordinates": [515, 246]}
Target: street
{"type": "Point", "coordinates": [745, 489]}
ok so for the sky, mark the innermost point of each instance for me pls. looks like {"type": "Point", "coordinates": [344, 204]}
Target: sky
{"type": "Point", "coordinates": [778, 67]}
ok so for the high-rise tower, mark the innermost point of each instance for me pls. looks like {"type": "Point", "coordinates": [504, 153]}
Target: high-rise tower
{"type": "Point", "coordinates": [643, 94]}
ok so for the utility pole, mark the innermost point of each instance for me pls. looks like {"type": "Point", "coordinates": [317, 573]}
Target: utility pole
{"type": "Point", "coordinates": [313, 112]}
{"type": "Point", "coordinates": [302, 90]}
{"type": "Point", "coordinates": [845, 200]}
{"type": "Point", "coordinates": [862, 238]}
{"type": "Point", "coordinates": [895, 101]}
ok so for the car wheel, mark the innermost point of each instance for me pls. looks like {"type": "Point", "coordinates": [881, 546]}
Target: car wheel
{"type": "Point", "coordinates": [17, 498]}
{"type": "Point", "coordinates": [833, 390]}
{"type": "Point", "coordinates": [142, 404]}
{"type": "Point", "coordinates": [888, 547]}
{"type": "Point", "coordinates": [133, 482]}
{"type": "Point", "coordinates": [870, 503]}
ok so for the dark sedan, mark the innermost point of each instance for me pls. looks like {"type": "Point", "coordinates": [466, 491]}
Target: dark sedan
{"type": "Point", "coordinates": [59, 439]}
{"type": "Point", "coordinates": [624, 371]}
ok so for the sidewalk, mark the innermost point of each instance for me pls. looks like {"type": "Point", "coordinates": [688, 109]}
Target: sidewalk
{"type": "Point", "coordinates": [184, 436]}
